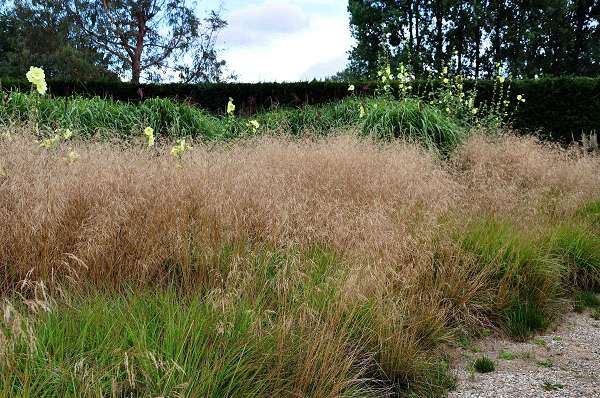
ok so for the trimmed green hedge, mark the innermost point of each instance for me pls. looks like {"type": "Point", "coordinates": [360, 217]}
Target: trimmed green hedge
{"type": "Point", "coordinates": [559, 108]}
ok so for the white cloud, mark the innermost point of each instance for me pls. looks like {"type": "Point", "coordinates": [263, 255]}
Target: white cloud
{"type": "Point", "coordinates": [258, 24]}
{"type": "Point", "coordinates": [261, 47]}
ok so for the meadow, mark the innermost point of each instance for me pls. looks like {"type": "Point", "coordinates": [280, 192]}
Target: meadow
{"type": "Point", "coordinates": [340, 250]}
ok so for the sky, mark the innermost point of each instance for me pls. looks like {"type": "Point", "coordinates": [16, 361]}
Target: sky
{"type": "Point", "coordinates": [284, 40]}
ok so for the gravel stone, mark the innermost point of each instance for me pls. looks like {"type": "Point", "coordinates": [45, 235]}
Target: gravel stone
{"type": "Point", "coordinates": [565, 361]}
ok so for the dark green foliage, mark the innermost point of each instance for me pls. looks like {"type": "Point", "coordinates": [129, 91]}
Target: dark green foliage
{"type": "Point", "coordinates": [551, 37]}
{"type": "Point", "coordinates": [248, 97]}
{"type": "Point", "coordinates": [40, 33]}
{"type": "Point", "coordinates": [484, 365]}
{"type": "Point", "coordinates": [523, 318]}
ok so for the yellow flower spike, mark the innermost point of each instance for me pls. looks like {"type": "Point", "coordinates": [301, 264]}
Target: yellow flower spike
{"type": "Point", "coordinates": [149, 133]}
{"type": "Point", "coordinates": [230, 107]}
{"type": "Point", "coordinates": [253, 125]}
{"type": "Point", "coordinates": [180, 148]}
{"type": "Point", "coordinates": [362, 113]}
{"type": "Point", "coordinates": [37, 77]}
{"type": "Point", "coordinates": [42, 88]}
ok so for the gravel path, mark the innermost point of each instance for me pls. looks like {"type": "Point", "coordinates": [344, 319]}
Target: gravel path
{"type": "Point", "coordinates": [563, 363]}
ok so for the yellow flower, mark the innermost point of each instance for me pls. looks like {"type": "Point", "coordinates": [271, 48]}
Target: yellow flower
{"type": "Point", "coordinates": [351, 88]}
{"type": "Point", "coordinates": [72, 157]}
{"type": "Point", "coordinates": [37, 77]}
{"type": "Point", "coordinates": [253, 125]}
{"type": "Point", "coordinates": [445, 80]}
{"type": "Point", "coordinates": [42, 88]}
{"type": "Point", "coordinates": [230, 107]}
{"type": "Point", "coordinates": [474, 111]}
{"type": "Point", "coordinates": [180, 148]}
{"type": "Point", "coordinates": [445, 70]}
{"type": "Point", "coordinates": [67, 134]}
{"type": "Point", "coordinates": [501, 79]}
{"type": "Point", "coordinates": [149, 133]}
{"type": "Point", "coordinates": [362, 111]}
{"type": "Point", "coordinates": [50, 143]}
{"type": "Point", "coordinates": [520, 98]}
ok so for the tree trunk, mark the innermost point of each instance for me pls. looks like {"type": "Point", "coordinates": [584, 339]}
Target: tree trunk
{"type": "Point", "coordinates": [497, 32]}
{"type": "Point", "coordinates": [439, 35]}
{"type": "Point", "coordinates": [477, 39]}
{"type": "Point", "coordinates": [136, 62]}
{"type": "Point", "coordinates": [417, 38]}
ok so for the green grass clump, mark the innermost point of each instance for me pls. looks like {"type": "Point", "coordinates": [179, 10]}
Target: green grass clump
{"type": "Point", "coordinates": [585, 300]}
{"type": "Point", "coordinates": [528, 275]}
{"type": "Point", "coordinates": [506, 355]}
{"type": "Point", "coordinates": [140, 344]}
{"type": "Point", "coordinates": [591, 213]}
{"type": "Point", "coordinates": [579, 248]}
{"type": "Point", "coordinates": [413, 120]}
{"type": "Point", "coordinates": [315, 120]}
{"type": "Point", "coordinates": [484, 365]}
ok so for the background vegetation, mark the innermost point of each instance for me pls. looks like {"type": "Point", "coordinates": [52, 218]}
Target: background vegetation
{"type": "Point", "coordinates": [528, 38]}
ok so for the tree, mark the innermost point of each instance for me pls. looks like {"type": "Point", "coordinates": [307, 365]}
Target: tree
{"type": "Point", "coordinates": [39, 32]}
{"type": "Point", "coordinates": [146, 38]}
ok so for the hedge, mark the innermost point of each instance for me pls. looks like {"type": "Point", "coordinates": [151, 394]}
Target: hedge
{"type": "Point", "coordinates": [560, 108]}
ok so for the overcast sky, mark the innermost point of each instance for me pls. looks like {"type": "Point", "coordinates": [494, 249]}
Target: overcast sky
{"type": "Point", "coordinates": [284, 40]}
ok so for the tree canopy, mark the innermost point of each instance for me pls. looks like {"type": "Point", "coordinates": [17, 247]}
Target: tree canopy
{"type": "Point", "coordinates": [154, 40]}
{"type": "Point", "coordinates": [527, 37]}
